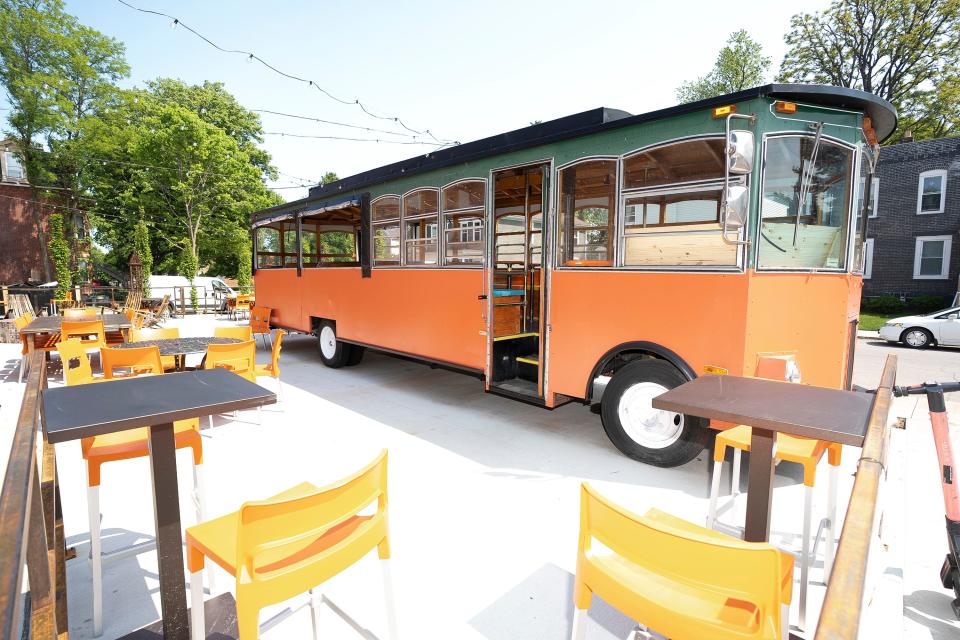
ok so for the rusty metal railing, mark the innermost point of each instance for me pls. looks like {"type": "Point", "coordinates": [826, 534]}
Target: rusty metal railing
{"type": "Point", "coordinates": [31, 528]}
{"type": "Point", "coordinates": [846, 591]}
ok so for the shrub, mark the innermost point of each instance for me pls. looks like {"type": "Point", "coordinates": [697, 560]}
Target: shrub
{"type": "Point", "coordinates": [883, 304]}
{"type": "Point", "coordinates": [927, 304]}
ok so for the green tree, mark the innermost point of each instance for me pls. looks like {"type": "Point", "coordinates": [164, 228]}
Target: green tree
{"type": "Point", "coordinates": [329, 177]}
{"type": "Point", "coordinates": [244, 260]}
{"type": "Point", "coordinates": [55, 73]}
{"type": "Point", "coordinates": [905, 51]}
{"type": "Point", "coordinates": [141, 247]}
{"type": "Point", "coordinates": [60, 254]}
{"type": "Point", "coordinates": [740, 65]}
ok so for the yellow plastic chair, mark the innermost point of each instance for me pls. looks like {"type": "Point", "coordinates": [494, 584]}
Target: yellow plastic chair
{"type": "Point", "coordinates": [676, 578]}
{"type": "Point", "coordinates": [804, 451]}
{"type": "Point", "coordinates": [244, 302]}
{"type": "Point", "coordinates": [272, 369]}
{"type": "Point", "coordinates": [138, 334]}
{"type": "Point", "coordinates": [240, 333]}
{"type": "Point", "coordinates": [260, 322]}
{"type": "Point", "coordinates": [123, 445]}
{"type": "Point", "coordinates": [291, 543]}
{"type": "Point", "coordinates": [239, 357]}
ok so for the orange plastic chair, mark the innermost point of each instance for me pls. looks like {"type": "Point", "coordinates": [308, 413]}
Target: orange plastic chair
{"type": "Point", "coordinates": [20, 322]}
{"type": "Point", "coordinates": [123, 445]}
{"type": "Point", "coordinates": [804, 451]}
{"type": "Point", "coordinates": [239, 357]}
{"type": "Point", "coordinates": [138, 334]}
{"type": "Point", "coordinates": [240, 333]}
{"type": "Point", "coordinates": [133, 361]}
{"type": "Point", "coordinates": [90, 332]}
{"type": "Point", "coordinates": [260, 322]}
{"type": "Point", "coordinates": [272, 369]}
{"type": "Point", "coordinates": [679, 579]}
{"type": "Point", "coordinates": [291, 543]}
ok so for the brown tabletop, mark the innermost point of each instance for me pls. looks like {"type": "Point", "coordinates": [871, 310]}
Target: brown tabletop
{"type": "Point", "coordinates": [71, 413]}
{"type": "Point", "coordinates": [770, 407]}
{"type": "Point", "coordinates": [51, 324]}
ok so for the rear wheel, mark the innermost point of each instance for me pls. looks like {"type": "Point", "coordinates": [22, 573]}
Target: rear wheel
{"type": "Point", "coordinates": [333, 352]}
{"type": "Point", "coordinates": [657, 437]}
{"type": "Point", "coordinates": [916, 338]}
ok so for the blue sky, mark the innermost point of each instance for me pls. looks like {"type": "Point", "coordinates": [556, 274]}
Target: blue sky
{"type": "Point", "coordinates": [462, 70]}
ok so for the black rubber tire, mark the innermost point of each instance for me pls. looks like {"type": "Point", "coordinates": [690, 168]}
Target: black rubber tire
{"type": "Point", "coordinates": [926, 344]}
{"type": "Point", "coordinates": [356, 355]}
{"type": "Point", "coordinates": [341, 354]}
{"type": "Point", "coordinates": [694, 437]}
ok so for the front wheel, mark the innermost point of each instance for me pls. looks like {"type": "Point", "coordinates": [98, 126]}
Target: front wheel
{"type": "Point", "coordinates": [916, 338]}
{"type": "Point", "coordinates": [657, 437]}
{"type": "Point", "coordinates": [333, 352]}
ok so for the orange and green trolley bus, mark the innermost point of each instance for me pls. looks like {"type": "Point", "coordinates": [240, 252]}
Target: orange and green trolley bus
{"type": "Point", "coordinates": [601, 257]}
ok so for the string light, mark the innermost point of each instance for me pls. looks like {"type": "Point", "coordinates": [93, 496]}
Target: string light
{"type": "Point", "coordinates": [251, 57]}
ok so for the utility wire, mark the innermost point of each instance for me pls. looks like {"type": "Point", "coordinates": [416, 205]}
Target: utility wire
{"type": "Point", "coordinates": [251, 56]}
{"type": "Point", "coordinates": [284, 134]}
{"type": "Point", "coordinates": [334, 122]}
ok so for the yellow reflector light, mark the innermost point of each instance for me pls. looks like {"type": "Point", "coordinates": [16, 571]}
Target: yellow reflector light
{"type": "Point", "coordinates": [719, 371]}
{"type": "Point", "coordinates": [785, 107]}
{"type": "Point", "coordinates": [722, 112]}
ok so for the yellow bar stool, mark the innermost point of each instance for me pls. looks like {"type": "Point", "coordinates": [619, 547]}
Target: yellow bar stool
{"type": "Point", "coordinates": [677, 578]}
{"type": "Point", "coordinates": [290, 544]}
{"type": "Point", "coordinates": [804, 451]}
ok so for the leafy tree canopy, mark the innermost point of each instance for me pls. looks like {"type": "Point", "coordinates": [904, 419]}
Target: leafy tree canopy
{"type": "Point", "coordinates": [740, 65]}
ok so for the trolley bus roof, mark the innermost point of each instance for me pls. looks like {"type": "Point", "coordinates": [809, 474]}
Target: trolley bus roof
{"type": "Point", "coordinates": [882, 114]}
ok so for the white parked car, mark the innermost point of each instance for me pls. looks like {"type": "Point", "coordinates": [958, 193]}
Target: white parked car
{"type": "Point", "coordinates": [940, 328]}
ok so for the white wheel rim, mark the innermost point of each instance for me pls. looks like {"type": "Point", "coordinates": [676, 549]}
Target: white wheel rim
{"type": "Point", "coordinates": [328, 342]}
{"type": "Point", "coordinates": [648, 427]}
{"type": "Point", "coordinates": [916, 338]}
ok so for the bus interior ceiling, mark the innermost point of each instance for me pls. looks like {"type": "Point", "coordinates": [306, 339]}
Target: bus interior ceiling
{"type": "Point", "coordinates": [517, 278]}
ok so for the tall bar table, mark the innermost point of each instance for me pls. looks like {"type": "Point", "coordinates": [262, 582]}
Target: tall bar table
{"type": "Point", "coordinates": [72, 413]}
{"type": "Point", "coordinates": [771, 407]}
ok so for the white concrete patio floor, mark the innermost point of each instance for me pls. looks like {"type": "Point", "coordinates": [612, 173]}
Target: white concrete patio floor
{"type": "Point", "coordinates": [483, 502]}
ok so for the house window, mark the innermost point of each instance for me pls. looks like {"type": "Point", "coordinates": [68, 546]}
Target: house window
{"type": "Point", "coordinates": [931, 192]}
{"type": "Point", "coordinates": [931, 259]}
{"type": "Point", "coordinates": [14, 168]}
{"type": "Point", "coordinates": [463, 212]}
{"type": "Point", "coordinates": [868, 259]}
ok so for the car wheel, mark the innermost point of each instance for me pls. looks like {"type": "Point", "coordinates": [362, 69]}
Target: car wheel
{"type": "Point", "coordinates": [657, 437]}
{"type": "Point", "coordinates": [333, 352]}
{"type": "Point", "coordinates": [916, 338]}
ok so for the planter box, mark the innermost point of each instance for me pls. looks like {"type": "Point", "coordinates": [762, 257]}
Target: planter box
{"type": "Point", "coordinates": [8, 332]}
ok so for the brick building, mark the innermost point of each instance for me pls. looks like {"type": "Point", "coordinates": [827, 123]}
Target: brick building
{"type": "Point", "coordinates": [912, 233]}
{"type": "Point", "coordinates": [21, 251]}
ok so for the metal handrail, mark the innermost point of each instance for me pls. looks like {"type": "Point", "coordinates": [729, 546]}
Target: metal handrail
{"type": "Point", "coordinates": [27, 522]}
{"type": "Point", "coordinates": [843, 605]}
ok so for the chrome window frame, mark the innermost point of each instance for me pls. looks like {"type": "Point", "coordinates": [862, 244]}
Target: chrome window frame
{"type": "Point", "coordinates": [373, 230]}
{"type": "Point", "coordinates": [420, 216]}
{"type": "Point", "coordinates": [483, 218]}
{"type": "Point", "coordinates": [850, 196]}
{"type": "Point", "coordinates": [555, 203]}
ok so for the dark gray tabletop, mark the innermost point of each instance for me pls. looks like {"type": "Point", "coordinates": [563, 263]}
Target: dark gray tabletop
{"type": "Point", "coordinates": [51, 324]}
{"type": "Point", "coordinates": [71, 413]}
{"type": "Point", "coordinates": [179, 346]}
{"type": "Point", "coordinates": [795, 409]}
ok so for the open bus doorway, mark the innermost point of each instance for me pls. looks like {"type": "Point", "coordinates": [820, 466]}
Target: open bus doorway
{"type": "Point", "coordinates": [517, 282]}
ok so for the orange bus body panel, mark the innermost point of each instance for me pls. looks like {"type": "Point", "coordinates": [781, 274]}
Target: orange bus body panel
{"type": "Point", "coordinates": [431, 313]}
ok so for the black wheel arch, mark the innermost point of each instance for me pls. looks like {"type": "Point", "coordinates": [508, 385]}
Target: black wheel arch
{"type": "Point", "coordinates": [634, 349]}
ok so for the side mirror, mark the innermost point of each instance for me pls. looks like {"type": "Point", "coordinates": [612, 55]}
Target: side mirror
{"type": "Point", "coordinates": [738, 207]}
{"type": "Point", "coordinates": [953, 316]}
{"type": "Point", "coordinates": [740, 152]}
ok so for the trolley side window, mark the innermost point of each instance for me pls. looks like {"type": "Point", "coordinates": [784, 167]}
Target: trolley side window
{"type": "Point", "coordinates": [330, 238]}
{"type": "Point", "coordinates": [463, 213]}
{"type": "Point", "coordinates": [587, 213]}
{"type": "Point", "coordinates": [421, 209]}
{"type": "Point", "coordinates": [671, 206]}
{"type": "Point", "coordinates": [273, 249]}
{"type": "Point", "coordinates": [385, 214]}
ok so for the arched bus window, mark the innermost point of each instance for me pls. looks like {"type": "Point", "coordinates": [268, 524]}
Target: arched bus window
{"type": "Point", "coordinates": [588, 193]}
{"type": "Point", "coordinates": [463, 212]}
{"type": "Point", "coordinates": [811, 234]}
{"type": "Point", "coordinates": [421, 209]}
{"type": "Point", "coordinates": [385, 214]}
{"type": "Point", "coordinates": [671, 197]}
